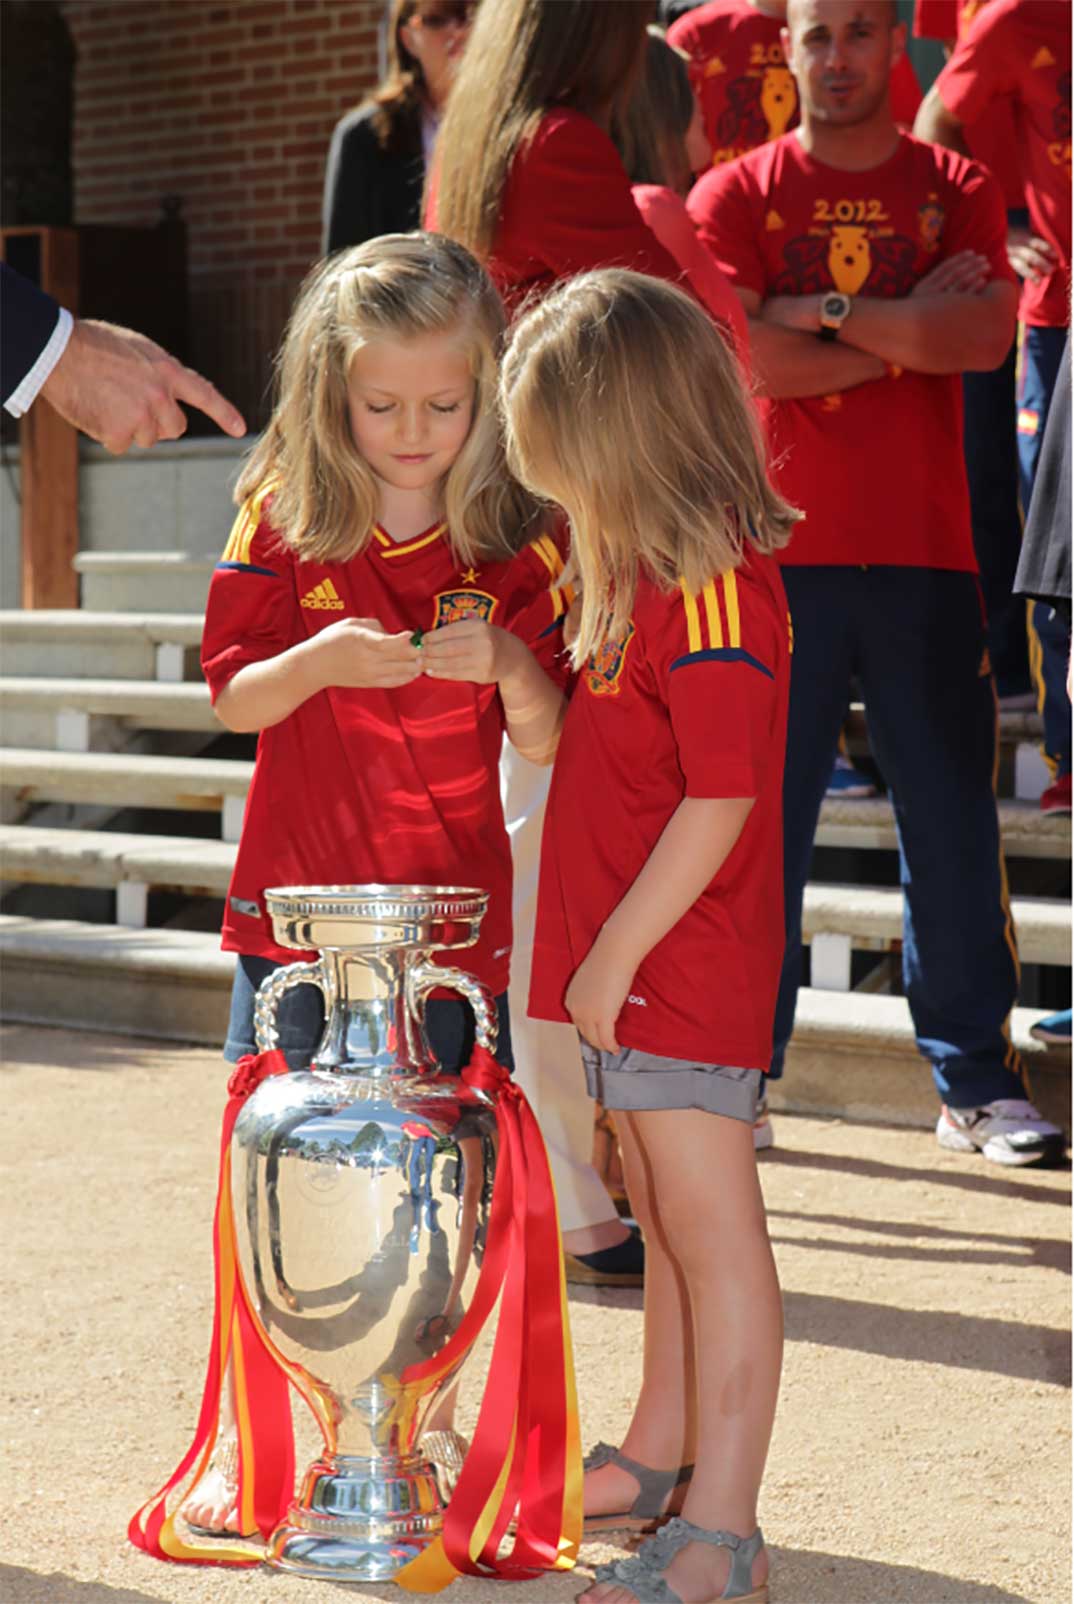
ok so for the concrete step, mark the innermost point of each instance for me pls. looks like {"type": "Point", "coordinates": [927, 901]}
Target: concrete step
{"type": "Point", "coordinates": [57, 641]}
{"type": "Point", "coordinates": [869, 824]}
{"type": "Point", "coordinates": [130, 865]}
{"type": "Point", "coordinates": [174, 984]}
{"type": "Point", "coordinates": [144, 581]}
{"type": "Point", "coordinates": [1013, 727]}
{"type": "Point", "coordinates": [854, 1057]}
{"type": "Point", "coordinates": [204, 785]}
{"type": "Point", "coordinates": [82, 715]}
{"type": "Point", "coordinates": [837, 919]}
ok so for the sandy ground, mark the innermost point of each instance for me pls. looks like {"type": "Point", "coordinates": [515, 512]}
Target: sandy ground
{"type": "Point", "coordinates": [922, 1449]}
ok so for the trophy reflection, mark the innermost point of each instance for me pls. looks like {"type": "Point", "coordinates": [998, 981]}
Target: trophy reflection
{"type": "Point", "coordinates": [360, 1192]}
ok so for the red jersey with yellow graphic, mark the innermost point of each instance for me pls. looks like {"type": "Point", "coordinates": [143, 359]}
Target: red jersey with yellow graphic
{"type": "Point", "coordinates": [992, 138]}
{"type": "Point", "coordinates": [878, 469]}
{"type": "Point", "coordinates": [747, 92]}
{"type": "Point", "coordinates": [1018, 51]}
{"type": "Point", "coordinates": [692, 702]}
{"type": "Point", "coordinates": [375, 785]}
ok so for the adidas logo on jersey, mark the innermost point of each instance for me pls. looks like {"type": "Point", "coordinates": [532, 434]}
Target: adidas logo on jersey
{"type": "Point", "coordinates": [1043, 58]}
{"type": "Point", "coordinates": [324, 596]}
{"type": "Point", "coordinates": [773, 221]}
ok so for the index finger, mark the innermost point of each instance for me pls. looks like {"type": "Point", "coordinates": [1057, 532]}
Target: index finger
{"type": "Point", "coordinates": [198, 392]}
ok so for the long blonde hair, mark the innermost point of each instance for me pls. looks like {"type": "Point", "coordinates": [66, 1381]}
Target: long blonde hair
{"type": "Point", "coordinates": [524, 57]}
{"type": "Point", "coordinates": [623, 404]}
{"type": "Point", "coordinates": [325, 498]}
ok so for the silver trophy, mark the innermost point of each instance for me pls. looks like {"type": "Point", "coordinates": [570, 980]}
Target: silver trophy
{"type": "Point", "coordinates": [361, 1191]}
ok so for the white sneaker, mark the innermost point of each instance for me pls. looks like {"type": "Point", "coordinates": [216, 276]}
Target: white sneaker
{"type": "Point", "coordinates": [763, 1135]}
{"type": "Point", "coordinates": [1008, 1131]}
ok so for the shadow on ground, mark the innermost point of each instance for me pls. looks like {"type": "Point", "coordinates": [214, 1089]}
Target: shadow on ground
{"type": "Point", "coordinates": [800, 1577]}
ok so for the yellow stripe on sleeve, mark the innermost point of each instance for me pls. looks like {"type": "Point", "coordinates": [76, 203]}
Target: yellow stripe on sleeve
{"type": "Point", "coordinates": [693, 622]}
{"type": "Point", "coordinates": [730, 597]}
{"type": "Point", "coordinates": [556, 563]}
{"type": "Point", "coordinates": [539, 546]}
{"type": "Point", "coordinates": [244, 528]}
{"type": "Point", "coordinates": [712, 613]}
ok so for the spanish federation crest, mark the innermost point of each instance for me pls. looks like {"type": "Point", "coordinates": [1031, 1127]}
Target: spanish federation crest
{"type": "Point", "coordinates": [605, 665]}
{"type": "Point", "coordinates": [452, 606]}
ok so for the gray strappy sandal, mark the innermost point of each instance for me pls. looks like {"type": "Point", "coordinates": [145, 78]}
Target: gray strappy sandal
{"type": "Point", "coordinates": [654, 1489]}
{"type": "Point", "coordinates": [642, 1572]}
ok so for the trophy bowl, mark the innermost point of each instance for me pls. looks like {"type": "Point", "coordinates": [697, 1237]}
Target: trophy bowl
{"type": "Point", "coordinates": [361, 1191]}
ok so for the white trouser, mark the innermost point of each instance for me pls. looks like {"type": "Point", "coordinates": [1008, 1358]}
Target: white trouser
{"type": "Point", "coordinates": [548, 1065]}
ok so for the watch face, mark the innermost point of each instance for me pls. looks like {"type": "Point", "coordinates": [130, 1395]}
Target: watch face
{"type": "Point", "coordinates": [835, 306]}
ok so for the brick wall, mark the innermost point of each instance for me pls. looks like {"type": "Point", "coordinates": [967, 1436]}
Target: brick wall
{"type": "Point", "coordinates": [230, 105]}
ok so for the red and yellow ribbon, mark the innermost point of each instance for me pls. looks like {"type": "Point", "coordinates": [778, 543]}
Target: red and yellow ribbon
{"type": "Point", "coordinates": [525, 1460]}
{"type": "Point", "coordinates": [260, 1387]}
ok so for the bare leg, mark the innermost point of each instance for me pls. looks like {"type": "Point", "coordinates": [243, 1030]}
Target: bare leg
{"type": "Point", "coordinates": [662, 1432]}
{"type": "Point", "coordinates": [709, 1206]}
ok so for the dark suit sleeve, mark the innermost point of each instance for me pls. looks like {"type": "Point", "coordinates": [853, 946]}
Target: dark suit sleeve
{"type": "Point", "coordinates": [29, 316]}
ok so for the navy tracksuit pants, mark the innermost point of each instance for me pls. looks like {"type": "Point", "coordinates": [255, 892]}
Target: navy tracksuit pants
{"type": "Point", "coordinates": [1042, 354]}
{"type": "Point", "coordinates": [915, 640]}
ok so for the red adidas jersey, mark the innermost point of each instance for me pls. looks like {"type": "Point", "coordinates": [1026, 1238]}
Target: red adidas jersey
{"type": "Point", "coordinates": [396, 786]}
{"type": "Point", "coordinates": [691, 702]}
{"type": "Point", "coordinates": [992, 138]}
{"type": "Point", "coordinates": [878, 469]}
{"type": "Point", "coordinates": [747, 91]}
{"type": "Point", "coordinates": [1018, 51]}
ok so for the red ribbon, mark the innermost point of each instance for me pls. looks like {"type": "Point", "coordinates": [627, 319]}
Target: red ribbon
{"type": "Point", "coordinates": [263, 1410]}
{"type": "Point", "coordinates": [525, 1459]}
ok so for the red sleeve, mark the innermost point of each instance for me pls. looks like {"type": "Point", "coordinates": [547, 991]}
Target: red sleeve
{"type": "Point", "coordinates": [905, 92]}
{"type": "Point", "coordinates": [719, 664]}
{"type": "Point", "coordinates": [977, 217]}
{"type": "Point", "coordinates": [721, 205]}
{"type": "Point", "coordinates": [568, 207]}
{"type": "Point", "coordinates": [539, 604]}
{"type": "Point", "coordinates": [983, 66]}
{"type": "Point", "coordinates": [936, 19]}
{"type": "Point", "coordinates": [665, 213]}
{"type": "Point", "coordinates": [250, 615]}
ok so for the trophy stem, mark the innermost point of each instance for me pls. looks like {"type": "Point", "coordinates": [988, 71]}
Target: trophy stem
{"type": "Point", "coordinates": [358, 1519]}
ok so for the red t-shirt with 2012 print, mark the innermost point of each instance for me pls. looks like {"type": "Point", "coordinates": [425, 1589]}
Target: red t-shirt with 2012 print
{"type": "Point", "coordinates": [877, 469]}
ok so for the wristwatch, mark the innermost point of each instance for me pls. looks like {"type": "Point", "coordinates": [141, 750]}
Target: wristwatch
{"type": "Point", "coordinates": [834, 311]}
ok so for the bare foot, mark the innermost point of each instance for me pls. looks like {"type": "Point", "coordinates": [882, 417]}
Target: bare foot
{"type": "Point", "coordinates": [213, 1502]}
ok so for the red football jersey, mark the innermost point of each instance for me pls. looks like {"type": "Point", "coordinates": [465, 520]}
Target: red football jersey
{"type": "Point", "coordinates": [691, 702]}
{"type": "Point", "coordinates": [393, 786]}
{"type": "Point", "coordinates": [993, 138]}
{"type": "Point", "coordinates": [567, 208]}
{"type": "Point", "coordinates": [1018, 51]}
{"type": "Point", "coordinates": [747, 91]}
{"type": "Point", "coordinates": [878, 469]}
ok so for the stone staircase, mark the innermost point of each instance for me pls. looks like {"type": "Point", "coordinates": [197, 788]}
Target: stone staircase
{"type": "Point", "coordinates": [122, 801]}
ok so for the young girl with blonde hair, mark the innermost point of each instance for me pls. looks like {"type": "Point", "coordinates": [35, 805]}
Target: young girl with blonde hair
{"type": "Point", "coordinates": [385, 608]}
{"type": "Point", "coordinates": [660, 926]}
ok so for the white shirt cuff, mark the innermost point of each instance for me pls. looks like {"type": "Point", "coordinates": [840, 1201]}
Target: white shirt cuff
{"type": "Point", "coordinates": [20, 399]}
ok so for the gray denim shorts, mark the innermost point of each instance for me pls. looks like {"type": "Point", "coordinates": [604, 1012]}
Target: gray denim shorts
{"type": "Point", "coordinates": [632, 1079]}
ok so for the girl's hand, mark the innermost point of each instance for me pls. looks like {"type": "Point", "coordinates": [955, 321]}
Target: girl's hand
{"type": "Point", "coordinates": [965, 273]}
{"type": "Point", "coordinates": [357, 654]}
{"type": "Point", "coordinates": [471, 650]}
{"type": "Point", "coordinates": [595, 997]}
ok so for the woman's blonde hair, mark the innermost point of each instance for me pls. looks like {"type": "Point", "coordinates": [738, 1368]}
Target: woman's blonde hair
{"type": "Point", "coordinates": [624, 404]}
{"type": "Point", "coordinates": [523, 58]}
{"type": "Point", "coordinates": [325, 498]}
{"type": "Point", "coordinates": [652, 130]}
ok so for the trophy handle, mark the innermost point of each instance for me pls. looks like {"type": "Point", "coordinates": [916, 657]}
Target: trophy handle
{"type": "Point", "coordinates": [426, 977]}
{"type": "Point", "coordinates": [268, 998]}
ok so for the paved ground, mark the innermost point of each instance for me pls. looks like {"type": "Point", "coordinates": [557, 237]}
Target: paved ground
{"type": "Point", "coordinates": [922, 1451]}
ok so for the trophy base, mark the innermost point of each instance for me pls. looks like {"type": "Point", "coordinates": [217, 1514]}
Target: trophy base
{"type": "Point", "coordinates": [358, 1520]}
